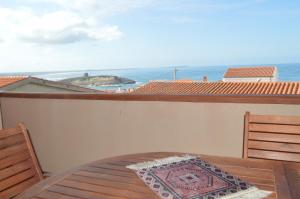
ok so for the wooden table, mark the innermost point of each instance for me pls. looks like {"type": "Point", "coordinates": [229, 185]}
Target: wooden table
{"type": "Point", "coordinates": [110, 179]}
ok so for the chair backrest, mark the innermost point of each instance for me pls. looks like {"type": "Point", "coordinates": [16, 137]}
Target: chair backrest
{"type": "Point", "coordinates": [272, 137]}
{"type": "Point", "coordinates": [19, 167]}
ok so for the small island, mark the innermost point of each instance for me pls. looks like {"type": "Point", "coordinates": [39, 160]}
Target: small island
{"type": "Point", "coordinates": [102, 80]}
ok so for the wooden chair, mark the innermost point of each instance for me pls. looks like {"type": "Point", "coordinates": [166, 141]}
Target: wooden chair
{"type": "Point", "coordinates": [272, 137]}
{"type": "Point", "coordinates": [19, 167]}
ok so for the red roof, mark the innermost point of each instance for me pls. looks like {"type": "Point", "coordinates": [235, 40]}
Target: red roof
{"type": "Point", "coordinates": [7, 80]}
{"type": "Point", "coordinates": [263, 71]}
{"type": "Point", "coordinates": [220, 88]}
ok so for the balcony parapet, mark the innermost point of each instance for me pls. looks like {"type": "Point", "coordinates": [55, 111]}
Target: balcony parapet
{"type": "Point", "coordinates": [253, 99]}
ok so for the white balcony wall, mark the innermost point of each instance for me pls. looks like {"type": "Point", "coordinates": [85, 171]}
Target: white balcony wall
{"type": "Point", "coordinates": [67, 133]}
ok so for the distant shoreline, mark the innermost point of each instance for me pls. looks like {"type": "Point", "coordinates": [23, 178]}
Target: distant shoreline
{"type": "Point", "coordinates": [287, 72]}
{"type": "Point", "coordinates": [137, 68]}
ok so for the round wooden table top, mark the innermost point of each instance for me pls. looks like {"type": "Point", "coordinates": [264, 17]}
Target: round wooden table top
{"type": "Point", "coordinates": [110, 179]}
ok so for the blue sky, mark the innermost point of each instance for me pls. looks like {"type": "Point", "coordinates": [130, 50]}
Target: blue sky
{"type": "Point", "coordinates": [46, 35]}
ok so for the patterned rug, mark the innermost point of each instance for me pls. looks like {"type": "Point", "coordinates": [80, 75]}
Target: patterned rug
{"type": "Point", "coordinates": [189, 177]}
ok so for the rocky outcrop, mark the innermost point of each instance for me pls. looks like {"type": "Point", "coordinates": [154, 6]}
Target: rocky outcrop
{"type": "Point", "coordinates": [98, 80]}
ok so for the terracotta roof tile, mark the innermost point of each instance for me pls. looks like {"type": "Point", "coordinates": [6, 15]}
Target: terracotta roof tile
{"type": "Point", "coordinates": [6, 80]}
{"type": "Point", "coordinates": [263, 71]}
{"type": "Point", "coordinates": [220, 88]}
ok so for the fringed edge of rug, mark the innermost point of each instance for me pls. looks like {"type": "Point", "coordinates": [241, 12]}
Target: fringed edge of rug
{"type": "Point", "coordinates": [251, 193]}
{"type": "Point", "coordinates": [159, 162]}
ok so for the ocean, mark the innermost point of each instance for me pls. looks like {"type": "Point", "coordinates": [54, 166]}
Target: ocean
{"type": "Point", "coordinates": [287, 72]}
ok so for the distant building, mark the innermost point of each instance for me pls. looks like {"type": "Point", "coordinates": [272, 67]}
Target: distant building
{"type": "Point", "coordinates": [219, 88]}
{"type": "Point", "coordinates": [33, 84]}
{"type": "Point", "coordinates": [251, 74]}
{"type": "Point", "coordinates": [205, 79]}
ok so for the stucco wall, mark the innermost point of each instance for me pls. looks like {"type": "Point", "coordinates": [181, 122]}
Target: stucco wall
{"type": "Point", "coordinates": [260, 79]}
{"type": "Point", "coordinates": [66, 133]}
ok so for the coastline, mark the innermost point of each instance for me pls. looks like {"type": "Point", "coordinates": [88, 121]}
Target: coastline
{"type": "Point", "coordinates": [287, 72]}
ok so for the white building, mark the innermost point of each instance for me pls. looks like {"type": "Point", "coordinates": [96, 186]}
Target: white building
{"type": "Point", "coordinates": [251, 74]}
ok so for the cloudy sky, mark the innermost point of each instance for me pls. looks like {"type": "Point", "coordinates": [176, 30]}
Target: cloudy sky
{"type": "Point", "coordinates": [46, 35]}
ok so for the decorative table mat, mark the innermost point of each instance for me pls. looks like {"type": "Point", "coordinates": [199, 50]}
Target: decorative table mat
{"type": "Point", "coordinates": [190, 177]}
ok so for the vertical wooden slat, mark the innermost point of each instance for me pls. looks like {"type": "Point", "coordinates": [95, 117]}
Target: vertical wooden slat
{"type": "Point", "coordinates": [31, 151]}
{"type": "Point", "coordinates": [246, 133]}
{"type": "Point", "coordinates": [292, 171]}
{"type": "Point", "coordinates": [281, 181]}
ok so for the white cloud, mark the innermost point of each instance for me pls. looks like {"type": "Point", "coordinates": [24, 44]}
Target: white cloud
{"type": "Point", "coordinates": [65, 27]}
{"type": "Point", "coordinates": [52, 28]}
{"type": "Point", "coordinates": [71, 21]}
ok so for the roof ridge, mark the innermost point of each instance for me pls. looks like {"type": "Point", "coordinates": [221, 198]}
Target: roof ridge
{"type": "Point", "coordinates": [14, 76]}
{"type": "Point", "coordinates": [266, 66]}
{"type": "Point", "coordinates": [8, 80]}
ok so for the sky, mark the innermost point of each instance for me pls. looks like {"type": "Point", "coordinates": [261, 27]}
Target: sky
{"type": "Point", "coordinates": [59, 35]}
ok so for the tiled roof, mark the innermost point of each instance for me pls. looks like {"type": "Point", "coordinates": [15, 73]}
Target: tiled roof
{"type": "Point", "coordinates": [263, 71]}
{"type": "Point", "coordinates": [220, 88]}
{"type": "Point", "coordinates": [6, 80]}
